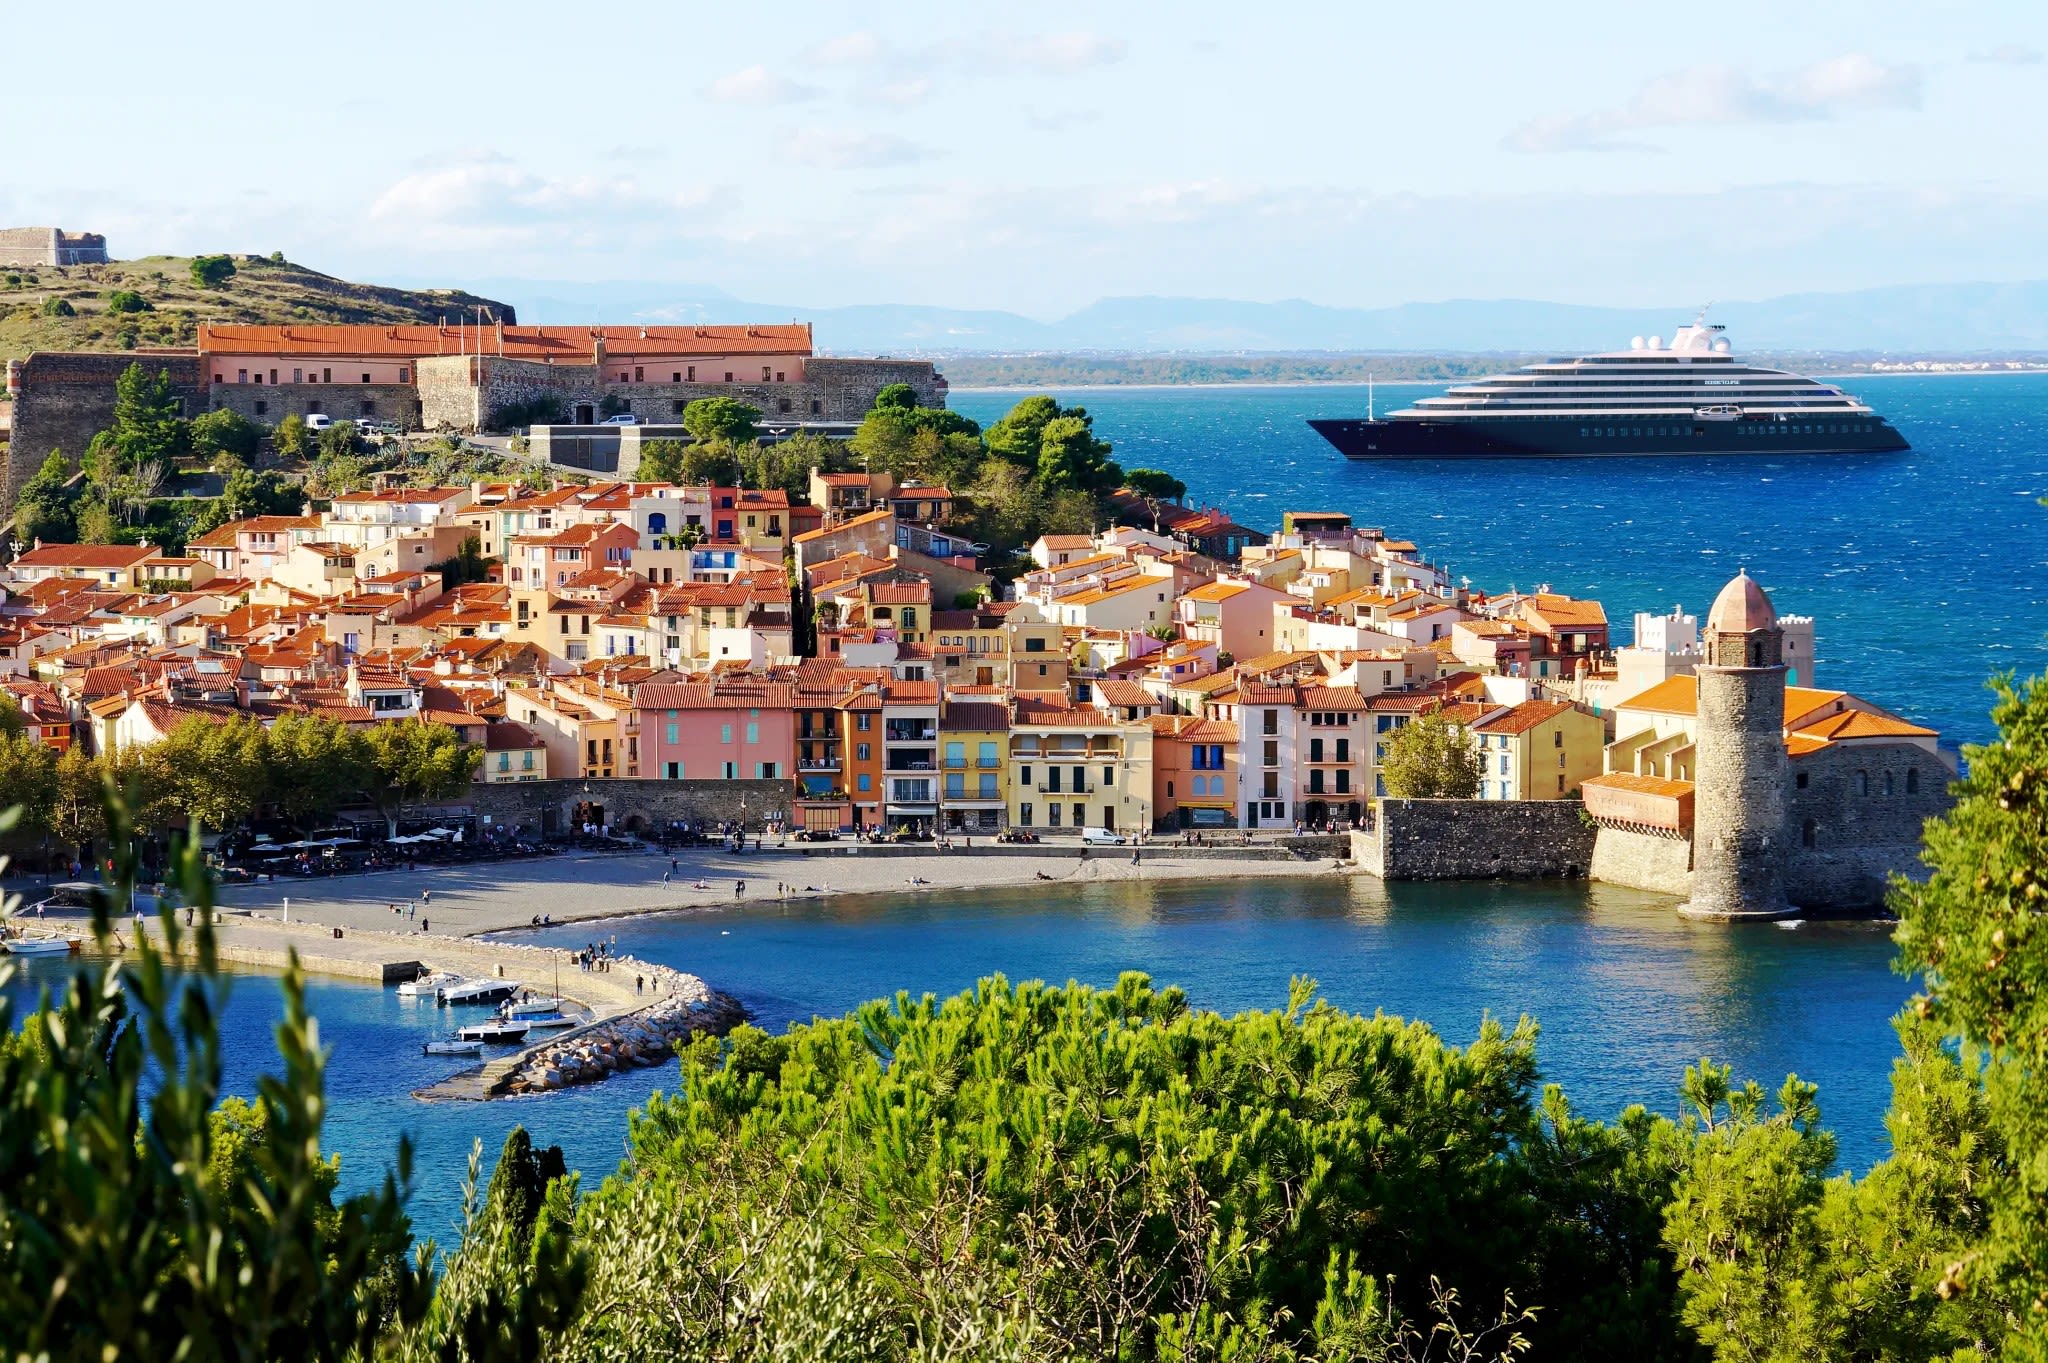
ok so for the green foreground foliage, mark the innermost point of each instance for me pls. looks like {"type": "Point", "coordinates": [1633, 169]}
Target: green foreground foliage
{"type": "Point", "coordinates": [1031, 1172]}
{"type": "Point", "coordinates": [1430, 758]}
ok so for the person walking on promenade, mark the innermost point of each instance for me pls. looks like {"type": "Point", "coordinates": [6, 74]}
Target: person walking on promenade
{"type": "Point", "coordinates": [665, 876]}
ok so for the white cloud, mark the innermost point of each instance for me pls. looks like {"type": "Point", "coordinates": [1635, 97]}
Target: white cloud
{"type": "Point", "coordinates": [845, 149]}
{"type": "Point", "coordinates": [758, 85]}
{"type": "Point", "coordinates": [1058, 53]}
{"type": "Point", "coordinates": [1710, 95]}
{"type": "Point", "coordinates": [486, 201]}
{"type": "Point", "coordinates": [848, 49]}
{"type": "Point", "coordinates": [2008, 54]}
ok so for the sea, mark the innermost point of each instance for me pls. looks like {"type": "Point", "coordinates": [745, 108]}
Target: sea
{"type": "Point", "coordinates": [1924, 571]}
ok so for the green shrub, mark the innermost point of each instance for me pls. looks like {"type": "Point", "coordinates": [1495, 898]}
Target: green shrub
{"type": "Point", "coordinates": [126, 300]}
{"type": "Point", "coordinates": [58, 307]}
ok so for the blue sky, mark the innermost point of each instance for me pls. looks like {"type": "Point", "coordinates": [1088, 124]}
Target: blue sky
{"type": "Point", "coordinates": [1037, 157]}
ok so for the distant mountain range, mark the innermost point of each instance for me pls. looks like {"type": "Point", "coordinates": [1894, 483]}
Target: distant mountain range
{"type": "Point", "coordinates": [1915, 319]}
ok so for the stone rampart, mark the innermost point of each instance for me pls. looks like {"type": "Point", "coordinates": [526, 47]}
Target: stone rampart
{"type": "Point", "coordinates": [630, 805]}
{"type": "Point", "coordinates": [1475, 840]}
{"type": "Point", "coordinates": [1644, 861]}
{"type": "Point", "coordinates": [68, 398]}
{"type": "Point", "coordinates": [269, 404]}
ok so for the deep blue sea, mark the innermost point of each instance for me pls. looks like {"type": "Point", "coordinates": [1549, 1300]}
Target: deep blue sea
{"type": "Point", "coordinates": [1924, 570]}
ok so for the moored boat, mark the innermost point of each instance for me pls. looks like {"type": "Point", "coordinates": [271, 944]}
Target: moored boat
{"type": "Point", "coordinates": [476, 991]}
{"type": "Point", "coordinates": [497, 1030]}
{"type": "Point", "coordinates": [453, 1046]}
{"type": "Point", "coordinates": [40, 946]}
{"type": "Point", "coordinates": [532, 1007]}
{"type": "Point", "coordinates": [428, 984]}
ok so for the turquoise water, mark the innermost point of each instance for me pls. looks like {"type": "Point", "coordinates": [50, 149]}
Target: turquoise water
{"type": "Point", "coordinates": [1924, 570]}
{"type": "Point", "coordinates": [1627, 993]}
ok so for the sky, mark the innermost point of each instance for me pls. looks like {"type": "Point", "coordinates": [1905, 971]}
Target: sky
{"type": "Point", "coordinates": [1037, 157]}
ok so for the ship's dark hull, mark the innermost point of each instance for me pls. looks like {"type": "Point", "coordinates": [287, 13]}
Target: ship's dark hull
{"type": "Point", "coordinates": [1553, 438]}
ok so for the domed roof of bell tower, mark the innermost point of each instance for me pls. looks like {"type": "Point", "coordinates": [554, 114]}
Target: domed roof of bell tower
{"type": "Point", "coordinates": [1741, 608]}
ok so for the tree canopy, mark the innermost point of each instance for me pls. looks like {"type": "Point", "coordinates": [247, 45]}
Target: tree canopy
{"type": "Point", "coordinates": [1430, 758]}
{"type": "Point", "coordinates": [722, 419]}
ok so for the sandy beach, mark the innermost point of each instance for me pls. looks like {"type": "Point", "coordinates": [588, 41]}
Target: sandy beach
{"type": "Point", "coordinates": [464, 901]}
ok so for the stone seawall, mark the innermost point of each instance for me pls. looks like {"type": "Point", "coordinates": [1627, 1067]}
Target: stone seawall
{"type": "Point", "coordinates": [1476, 840]}
{"type": "Point", "coordinates": [1643, 861]}
{"type": "Point", "coordinates": [638, 1040]}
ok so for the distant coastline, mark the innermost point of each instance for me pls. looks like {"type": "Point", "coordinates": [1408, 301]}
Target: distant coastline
{"type": "Point", "coordinates": [1036, 373]}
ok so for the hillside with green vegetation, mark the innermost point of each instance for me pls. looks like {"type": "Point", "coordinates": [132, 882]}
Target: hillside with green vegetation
{"type": "Point", "coordinates": [161, 300]}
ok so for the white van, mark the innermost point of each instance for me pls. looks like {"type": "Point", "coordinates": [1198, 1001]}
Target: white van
{"type": "Point", "coordinates": [316, 422]}
{"type": "Point", "coordinates": [1101, 837]}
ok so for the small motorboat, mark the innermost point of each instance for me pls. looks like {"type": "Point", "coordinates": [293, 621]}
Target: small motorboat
{"type": "Point", "coordinates": [453, 1046]}
{"type": "Point", "coordinates": [476, 991]}
{"type": "Point", "coordinates": [428, 984]}
{"type": "Point", "coordinates": [549, 1020]}
{"type": "Point", "coordinates": [497, 1030]}
{"type": "Point", "coordinates": [40, 946]}
{"type": "Point", "coordinates": [531, 1008]}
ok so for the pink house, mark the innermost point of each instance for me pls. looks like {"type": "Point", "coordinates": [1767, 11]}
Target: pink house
{"type": "Point", "coordinates": [1236, 616]}
{"type": "Point", "coordinates": [739, 727]}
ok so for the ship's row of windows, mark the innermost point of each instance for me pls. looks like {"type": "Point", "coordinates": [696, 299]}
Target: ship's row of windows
{"type": "Point", "coordinates": [1744, 428]}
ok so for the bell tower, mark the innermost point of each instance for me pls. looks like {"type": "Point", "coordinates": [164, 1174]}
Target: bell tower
{"type": "Point", "coordinates": [1738, 856]}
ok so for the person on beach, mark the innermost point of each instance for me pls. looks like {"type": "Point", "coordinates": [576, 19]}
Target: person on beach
{"type": "Point", "coordinates": [639, 982]}
{"type": "Point", "coordinates": [425, 926]}
{"type": "Point", "coordinates": [665, 876]}
{"type": "Point", "coordinates": [739, 889]}
{"type": "Point", "coordinates": [426, 896]}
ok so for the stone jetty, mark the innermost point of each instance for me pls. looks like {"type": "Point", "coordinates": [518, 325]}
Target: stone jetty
{"type": "Point", "coordinates": [641, 1039]}
{"type": "Point", "coordinates": [671, 1006]}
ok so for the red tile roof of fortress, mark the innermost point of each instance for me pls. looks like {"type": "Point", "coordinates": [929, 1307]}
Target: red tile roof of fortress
{"type": "Point", "coordinates": [564, 344]}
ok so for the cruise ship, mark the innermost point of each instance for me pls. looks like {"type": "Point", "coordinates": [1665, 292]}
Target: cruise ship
{"type": "Point", "coordinates": [1690, 397]}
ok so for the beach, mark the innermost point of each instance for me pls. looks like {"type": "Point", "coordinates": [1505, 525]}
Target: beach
{"type": "Point", "coordinates": [468, 900]}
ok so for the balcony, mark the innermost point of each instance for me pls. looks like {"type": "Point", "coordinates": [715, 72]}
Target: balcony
{"type": "Point", "coordinates": [897, 762]}
{"type": "Point", "coordinates": [956, 764]}
{"type": "Point", "coordinates": [817, 764]}
{"type": "Point", "coordinates": [909, 733]}
{"type": "Point", "coordinates": [988, 763]}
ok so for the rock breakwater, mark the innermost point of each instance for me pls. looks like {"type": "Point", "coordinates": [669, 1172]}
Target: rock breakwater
{"type": "Point", "coordinates": [682, 1006]}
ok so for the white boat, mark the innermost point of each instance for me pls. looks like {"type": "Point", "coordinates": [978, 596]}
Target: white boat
{"type": "Point", "coordinates": [456, 1046]}
{"type": "Point", "coordinates": [495, 1030]}
{"type": "Point", "coordinates": [531, 1008]}
{"type": "Point", "coordinates": [40, 946]}
{"type": "Point", "coordinates": [549, 1020]}
{"type": "Point", "coordinates": [427, 985]}
{"type": "Point", "coordinates": [477, 991]}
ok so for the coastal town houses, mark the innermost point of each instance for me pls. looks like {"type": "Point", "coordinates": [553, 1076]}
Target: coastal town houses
{"type": "Point", "coordinates": [1130, 680]}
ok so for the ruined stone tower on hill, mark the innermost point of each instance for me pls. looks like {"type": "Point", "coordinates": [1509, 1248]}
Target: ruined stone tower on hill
{"type": "Point", "coordinates": [1739, 850]}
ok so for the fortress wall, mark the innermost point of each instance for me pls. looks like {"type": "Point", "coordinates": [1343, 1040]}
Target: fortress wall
{"type": "Point", "coordinates": [1861, 835]}
{"type": "Point", "coordinates": [67, 399]}
{"type": "Point", "coordinates": [269, 404]}
{"type": "Point", "coordinates": [546, 805]}
{"type": "Point", "coordinates": [1642, 861]}
{"type": "Point", "coordinates": [1476, 840]}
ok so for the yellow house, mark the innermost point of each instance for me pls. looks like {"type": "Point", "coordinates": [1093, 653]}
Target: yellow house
{"type": "Point", "coordinates": [974, 785]}
{"type": "Point", "coordinates": [1539, 750]}
{"type": "Point", "coordinates": [513, 752]}
{"type": "Point", "coordinates": [1074, 767]}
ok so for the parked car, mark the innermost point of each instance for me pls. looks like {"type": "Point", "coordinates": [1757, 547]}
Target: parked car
{"type": "Point", "coordinates": [1101, 837]}
{"type": "Point", "coordinates": [622, 419]}
{"type": "Point", "coordinates": [316, 421]}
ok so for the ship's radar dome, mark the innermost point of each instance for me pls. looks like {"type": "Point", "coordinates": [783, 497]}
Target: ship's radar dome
{"type": "Point", "coordinates": [1656, 343]}
{"type": "Point", "coordinates": [1741, 608]}
{"type": "Point", "coordinates": [1635, 343]}
{"type": "Point", "coordinates": [1721, 347]}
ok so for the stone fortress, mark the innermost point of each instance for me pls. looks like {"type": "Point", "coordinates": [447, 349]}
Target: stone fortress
{"type": "Point", "coordinates": [33, 246]}
{"type": "Point", "coordinates": [457, 378]}
{"type": "Point", "coordinates": [1751, 798]}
